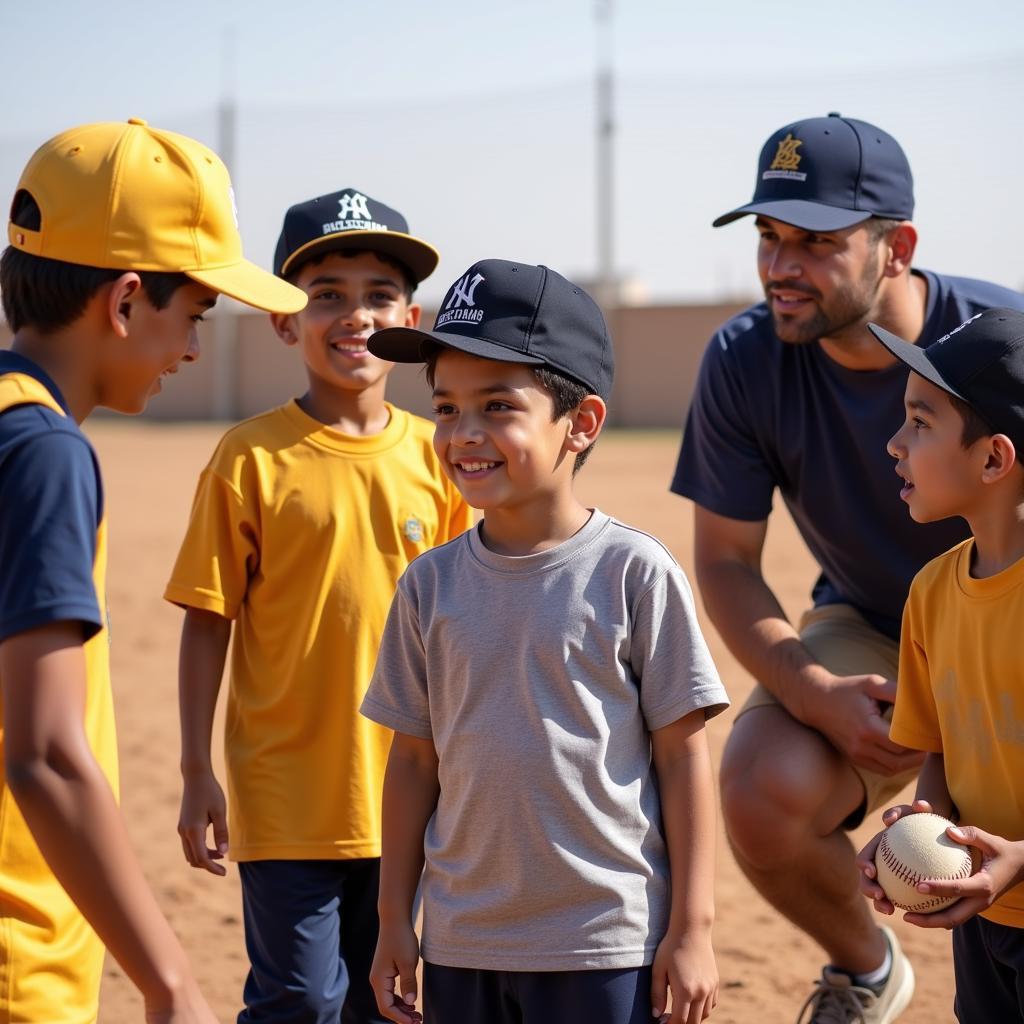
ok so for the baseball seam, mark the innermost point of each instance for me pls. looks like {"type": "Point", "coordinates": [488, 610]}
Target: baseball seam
{"type": "Point", "coordinates": [910, 877]}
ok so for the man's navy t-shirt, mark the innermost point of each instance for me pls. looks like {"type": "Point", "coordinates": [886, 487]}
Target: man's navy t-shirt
{"type": "Point", "coordinates": [767, 414]}
{"type": "Point", "coordinates": [50, 507]}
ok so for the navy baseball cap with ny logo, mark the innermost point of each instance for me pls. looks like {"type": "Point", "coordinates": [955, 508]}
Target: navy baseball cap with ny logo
{"type": "Point", "coordinates": [829, 173]}
{"type": "Point", "coordinates": [515, 313]}
{"type": "Point", "coordinates": [349, 219]}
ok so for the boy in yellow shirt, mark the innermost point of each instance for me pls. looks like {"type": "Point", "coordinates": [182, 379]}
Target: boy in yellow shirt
{"type": "Point", "coordinates": [961, 677]}
{"type": "Point", "coordinates": [121, 236]}
{"type": "Point", "coordinates": [303, 521]}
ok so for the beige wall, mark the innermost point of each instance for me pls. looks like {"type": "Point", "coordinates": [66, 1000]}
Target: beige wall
{"type": "Point", "coordinates": [657, 352]}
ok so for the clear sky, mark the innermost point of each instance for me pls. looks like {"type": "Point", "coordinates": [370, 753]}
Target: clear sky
{"type": "Point", "coordinates": [477, 120]}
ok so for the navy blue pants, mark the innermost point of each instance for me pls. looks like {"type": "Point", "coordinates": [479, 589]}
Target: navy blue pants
{"type": "Point", "coordinates": [458, 995]}
{"type": "Point", "coordinates": [988, 961]}
{"type": "Point", "coordinates": [310, 932]}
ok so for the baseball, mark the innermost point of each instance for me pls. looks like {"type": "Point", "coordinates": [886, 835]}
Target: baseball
{"type": "Point", "coordinates": [914, 849]}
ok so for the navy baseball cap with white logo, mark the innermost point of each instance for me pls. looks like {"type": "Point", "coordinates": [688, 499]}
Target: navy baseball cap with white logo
{"type": "Point", "coordinates": [829, 173]}
{"type": "Point", "coordinates": [350, 219]}
{"type": "Point", "coordinates": [981, 362]}
{"type": "Point", "coordinates": [515, 313]}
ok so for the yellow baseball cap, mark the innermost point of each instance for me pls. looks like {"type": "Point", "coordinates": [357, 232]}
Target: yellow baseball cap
{"type": "Point", "coordinates": [125, 196]}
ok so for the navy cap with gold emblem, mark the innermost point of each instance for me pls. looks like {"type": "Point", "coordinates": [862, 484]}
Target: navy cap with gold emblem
{"type": "Point", "coordinates": [349, 219]}
{"type": "Point", "coordinates": [828, 173]}
{"type": "Point", "coordinates": [515, 313]}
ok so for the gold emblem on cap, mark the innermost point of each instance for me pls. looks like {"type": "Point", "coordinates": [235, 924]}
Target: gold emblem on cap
{"type": "Point", "coordinates": [786, 157]}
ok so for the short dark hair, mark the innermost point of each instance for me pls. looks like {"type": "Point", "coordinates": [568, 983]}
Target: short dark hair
{"type": "Point", "coordinates": [878, 226]}
{"type": "Point", "coordinates": [566, 392]}
{"type": "Point", "coordinates": [47, 294]}
{"type": "Point", "coordinates": [975, 427]}
{"type": "Point", "coordinates": [408, 281]}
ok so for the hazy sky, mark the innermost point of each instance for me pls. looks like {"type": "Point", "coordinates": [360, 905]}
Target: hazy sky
{"type": "Point", "coordinates": [477, 120]}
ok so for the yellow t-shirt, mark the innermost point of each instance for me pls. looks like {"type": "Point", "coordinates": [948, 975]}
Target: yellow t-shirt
{"type": "Point", "coordinates": [51, 960]}
{"type": "Point", "coordinates": [299, 533]}
{"type": "Point", "coordinates": [961, 694]}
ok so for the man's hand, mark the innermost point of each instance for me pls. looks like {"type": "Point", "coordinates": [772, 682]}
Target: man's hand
{"type": "Point", "coordinates": [865, 860]}
{"type": "Point", "coordinates": [1002, 867]}
{"type": "Point", "coordinates": [393, 973]}
{"type": "Point", "coordinates": [848, 711]}
{"type": "Point", "coordinates": [685, 965]}
{"type": "Point", "coordinates": [202, 806]}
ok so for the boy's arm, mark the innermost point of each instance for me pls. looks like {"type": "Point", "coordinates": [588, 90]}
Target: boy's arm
{"type": "Point", "coordinates": [410, 796]}
{"type": "Point", "coordinates": [70, 809]}
{"type": "Point", "coordinates": [685, 960]}
{"type": "Point", "coordinates": [204, 645]}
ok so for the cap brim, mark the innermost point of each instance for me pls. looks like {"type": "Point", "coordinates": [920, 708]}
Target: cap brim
{"type": "Point", "coordinates": [253, 286]}
{"type": "Point", "coordinates": [801, 213]}
{"type": "Point", "coordinates": [915, 357]}
{"type": "Point", "coordinates": [405, 345]}
{"type": "Point", "coordinates": [420, 257]}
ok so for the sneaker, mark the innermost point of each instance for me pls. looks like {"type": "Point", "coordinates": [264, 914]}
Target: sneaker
{"type": "Point", "coordinates": [837, 1000]}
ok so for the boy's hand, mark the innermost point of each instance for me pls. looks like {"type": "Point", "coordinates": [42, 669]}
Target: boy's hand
{"type": "Point", "coordinates": [866, 858]}
{"type": "Point", "coordinates": [187, 1006]}
{"type": "Point", "coordinates": [393, 973]}
{"type": "Point", "coordinates": [685, 965]}
{"type": "Point", "coordinates": [203, 805]}
{"type": "Point", "coordinates": [1002, 867]}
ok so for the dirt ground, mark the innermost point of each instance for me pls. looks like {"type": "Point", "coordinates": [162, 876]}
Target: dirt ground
{"type": "Point", "coordinates": [767, 967]}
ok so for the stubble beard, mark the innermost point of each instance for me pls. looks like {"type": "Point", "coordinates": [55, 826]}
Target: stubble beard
{"type": "Point", "coordinates": [849, 305]}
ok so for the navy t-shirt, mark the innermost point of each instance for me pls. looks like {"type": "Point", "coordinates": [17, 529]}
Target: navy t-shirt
{"type": "Point", "coordinates": [51, 504]}
{"type": "Point", "coordinates": [767, 414]}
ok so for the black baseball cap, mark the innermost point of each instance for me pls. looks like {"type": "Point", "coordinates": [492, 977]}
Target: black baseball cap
{"type": "Point", "coordinates": [350, 219]}
{"type": "Point", "coordinates": [516, 313]}
{"type": "Point", "coordinates": [829, 173]}
{"type": "Point", "coordinates": [981, 362]}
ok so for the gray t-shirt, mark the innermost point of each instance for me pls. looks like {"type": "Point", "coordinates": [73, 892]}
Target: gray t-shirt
{"type": "Point", "coordinates": [539, 679]}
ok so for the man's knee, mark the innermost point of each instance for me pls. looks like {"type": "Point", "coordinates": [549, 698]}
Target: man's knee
{"type": "Point", "coordinates": [775, 779]}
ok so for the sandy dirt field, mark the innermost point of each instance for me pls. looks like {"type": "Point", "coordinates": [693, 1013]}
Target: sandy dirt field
{"type": "Point", "coordinates": [767, 967]}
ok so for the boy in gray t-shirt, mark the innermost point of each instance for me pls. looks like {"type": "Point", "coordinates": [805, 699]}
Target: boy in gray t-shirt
{"type": "Point", "coordinates": [548, 686]}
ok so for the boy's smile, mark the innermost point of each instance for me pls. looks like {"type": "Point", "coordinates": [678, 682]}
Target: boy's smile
{"type": "Point", "coordinates": [158, 342]}
{"type": "Point", "coordinates": [350, 297]}
{"type": "Point", "coordinates": [494, 432]}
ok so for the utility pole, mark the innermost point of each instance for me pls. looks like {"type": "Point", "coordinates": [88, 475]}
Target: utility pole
{"type": "Point", "coordinates": [225, 344]}
{"type": "Point", "coordinates": [605, 153]}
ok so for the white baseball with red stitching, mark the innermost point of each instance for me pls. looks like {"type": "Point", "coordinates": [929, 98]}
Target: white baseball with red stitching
{"type": "Point", "coordinates": [914, 849]}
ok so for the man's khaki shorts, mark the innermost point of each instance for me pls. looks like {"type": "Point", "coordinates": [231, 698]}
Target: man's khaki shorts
{"type": "Point", "coordinates": [847, 645]}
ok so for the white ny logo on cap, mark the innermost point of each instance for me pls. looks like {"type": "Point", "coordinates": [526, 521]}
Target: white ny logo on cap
{"type": "Point", "coordinates": [462, 292]}
{"type": "Point", "coordinates": [353, 205]}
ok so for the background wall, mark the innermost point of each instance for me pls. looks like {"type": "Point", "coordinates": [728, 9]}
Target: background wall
{"type": "Point", "coordinates": [244, 368]}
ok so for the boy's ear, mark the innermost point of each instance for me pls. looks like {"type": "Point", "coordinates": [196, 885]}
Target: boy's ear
{"type": "Point", "coordinates": [124, 292]}
{"type": "Point", "coordinates": [284, 325]}
{"type": "Point", "coordinates": [585, 423]}
{"type": "Point", "coordinates": [413, 313]}
{"type": "Point", "coordinates": [1002, 457]}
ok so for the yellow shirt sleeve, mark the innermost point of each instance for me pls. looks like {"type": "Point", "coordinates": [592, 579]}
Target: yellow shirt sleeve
{"type": "Point", "coordinates": [915, 721]}
{"type": "Point", "coordinates": [220, 552]}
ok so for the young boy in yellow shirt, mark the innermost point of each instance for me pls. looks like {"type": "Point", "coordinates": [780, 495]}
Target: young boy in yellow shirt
{"type": "Point", "coordinates": [121, 236]}
{"type": "Point", "coordinates": [961, 677]}
{"type": "Point", "coordinates": [303, 521]}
